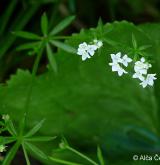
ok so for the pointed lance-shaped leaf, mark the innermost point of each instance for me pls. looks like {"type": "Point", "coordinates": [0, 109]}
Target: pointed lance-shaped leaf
{"type": "Point", "coordinates": [44, 24]}
{"type": "Point", "coordinates": [35, 129]}
{"type": "Point", "coordinates": [134, 42]}
{"type": "Point", "coordinates": [35, 150]}
{"type": "Point", "coordinates": [40, 139]}
{"type": "Point", "coordinates": [62, 25]}
{"type": "Point", "coordinates": [100, 156]}
{"type": "Point", "coordinates": [64, 46]}
{"type": "Point", "coordinates": [51, 58]}
{"type": "Point", "coordinates": [30, 45]}
{"type": "Point", "coordinates": [26, 35]}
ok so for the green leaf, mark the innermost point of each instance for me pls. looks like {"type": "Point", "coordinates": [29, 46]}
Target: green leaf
{"type": "Point", "coordinates": [10, 155]}
{"type": "Point", "coordinates": [40, 139]}
{"type": "Point", "coordinates": [62, 25]}
{"type": "Point", "coordinates": [64, 46]}
{"type": "Point", "coordinates": [134, 42]}
{"type": "Point", "coordinates": [35, 150]}
{"type": "Point", "coordinates": [11, 128]}
{"type": "Point", "coordinates": [144, 47]}
{"type": "Point", "coordinates": [51, 58]}
{"type": "Point", "coordinates": [31, 45]}
{"type": "Point", "coordinates": [44, 24]}
{"type": "Point", "coordinates": [27, 35]}
{"type": "Point", "coordinates": [100, 156]}
{"type": "Point", "coordinates": [26, 155]}
{"type": "Point", "coordinates": [35, 129]}
{"type": "Point", "coordinates": [6, 140]}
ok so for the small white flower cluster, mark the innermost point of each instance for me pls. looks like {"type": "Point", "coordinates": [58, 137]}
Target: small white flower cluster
{"type": "Point", "coordinates": [117, 63]}
{"type": "Point", "coordinates": [87, 50]}
{"type": "Point", "coordinates": [5, 117]}
{"type": "Point", "coordinates": [2, 148]}
{"type": "Point", "coordinates": [140, 67]}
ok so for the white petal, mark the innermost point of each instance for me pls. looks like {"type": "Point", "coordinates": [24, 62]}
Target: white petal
{"type": "Point", "coordinates": [143, 83]}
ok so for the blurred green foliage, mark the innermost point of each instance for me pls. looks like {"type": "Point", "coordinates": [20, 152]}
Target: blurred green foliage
{"type": "Point", "coordinates": [84, 101]}
{"type": "Point", "coordinates": [89, 104]}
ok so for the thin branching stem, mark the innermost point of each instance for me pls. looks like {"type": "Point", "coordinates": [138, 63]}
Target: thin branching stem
{"type": "Point", "coordinates": [82, 155]}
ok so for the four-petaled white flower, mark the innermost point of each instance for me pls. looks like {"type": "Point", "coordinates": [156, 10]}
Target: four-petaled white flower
{"type": "Point", "coordinates": [116, 58]}
{"type": "Point", "coordinates": [117, 61]}
{"type": "Point", "coordinates": [117, 68]}
{"type": "Point", "coordinates": [138, 75]}
{"type": "Point", "coordinates": [125, 60]}
{"type": "Point", "coordinates": [142, 66]}
{"type": "Point", "coordinates": [83, 46]}
{"type": "Point", "coordinates": [91, 49]}
{"type": "Point", "coordinates": [87, 50]}
{"type": "Point", "coordinates": [149, 80]}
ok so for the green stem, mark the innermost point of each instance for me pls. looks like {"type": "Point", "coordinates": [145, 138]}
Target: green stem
{"type": "Point", "coordinates": [26, 155]}
{"type": "Point", "coordinates": [82, 155]}
{"type": "Point", "coordinates": [62, 161]}
{"type": "Point", "coordinates": [34, 71]}
{"type": "Point", "coordinates": [9, 157]}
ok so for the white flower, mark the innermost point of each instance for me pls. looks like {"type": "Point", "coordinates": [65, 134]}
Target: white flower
{"type": "Point", "coordinates": [116, 58]}
{"type": "Point", "coordinates": [5, 117]}
{"type": "Point", "coordinates": [125, 60]}
{"type": "Point", "coordinates": [149, 80]}
{"type": "Point", "coordinates": [82, 50]}
{"type": "Point", "coordinates": [138, 75]}
{"type": "Point", "coordinates": [142, 66]}
{"type": "Point", "coordinates": [83, 46]}
{"type": "Point", "coordinates": [98, 43]}
{"type": "Point", "coordinates": [91, 49]}
{"type": "Point", "coordinates": [86, 50]}
{"type": "Point", "coordinates": [2, 148]}
{"type": "Point", "coordinates": [117, 68]}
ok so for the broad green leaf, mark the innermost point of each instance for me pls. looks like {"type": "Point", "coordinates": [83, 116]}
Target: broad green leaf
{"type": "Point", "coordinates": [51, 58]}
{"type": "Point", "coordinates": [64, 46]}
{"type": "Point", "coordinates": [11, 153]}
{"type": "Point", "coordinates": [27, 35]}
{"type": "Point", "coordinates": [40, 139]}
{"type": "Point", "coordinates": [35, 129]}
{"type": "Point", "coordinates": [100, 156]}
{"type": "Point", "coordinates": [44, 24]}
{"type": "Point", "coordinates": [62, 25]}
